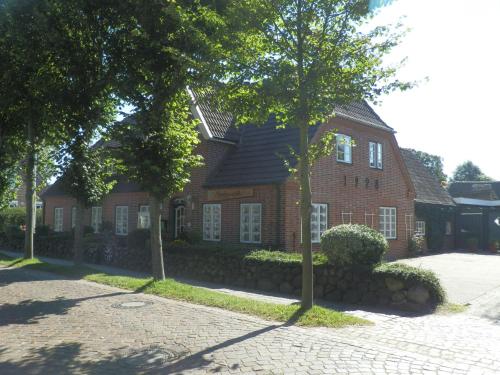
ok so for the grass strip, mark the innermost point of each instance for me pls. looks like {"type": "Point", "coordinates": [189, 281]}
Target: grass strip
{"type": "Point", "coordinates": [291, 314]}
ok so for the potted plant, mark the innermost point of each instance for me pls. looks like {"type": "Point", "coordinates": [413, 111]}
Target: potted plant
{"type": "Point", "coordinates": [472, 243]}
{"type": "Point", "coordinates": [494, 246]}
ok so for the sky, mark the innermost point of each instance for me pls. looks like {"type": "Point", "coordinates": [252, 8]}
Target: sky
{"type": "Point", "coordinates": [455, 114]}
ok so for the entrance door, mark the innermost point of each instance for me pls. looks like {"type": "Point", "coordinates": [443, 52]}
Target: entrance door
{"type": "Point", "coordinates": [470, 230]}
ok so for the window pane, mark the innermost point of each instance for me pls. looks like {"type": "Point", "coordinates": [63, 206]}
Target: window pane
{"type": "Point", "coordinates": [379, 155]}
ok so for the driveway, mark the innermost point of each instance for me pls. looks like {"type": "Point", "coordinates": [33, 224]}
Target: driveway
{"type": "Point", "coordinates": [51, 325]}
{"type": "Point", "coordinates": [468, 278]}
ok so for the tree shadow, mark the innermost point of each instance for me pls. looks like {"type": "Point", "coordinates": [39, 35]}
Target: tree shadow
{"type": "Point", "coordinates": [31, 311]}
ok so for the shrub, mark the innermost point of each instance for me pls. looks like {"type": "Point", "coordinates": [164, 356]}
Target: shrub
{"type": "Point", "coordinates": [12, 217]}
{"type": "Point", "coordinates": [191, 237]}
{"type": "Point", "coordinates": [42, 230]}
{"type": "Point", "coordinates": [416, 245]}
{"type": "Point", "coordinates": [282, 257]}
{"type": "Point", "coordinates": [413, 276]}
{"type": "Point", "coordinates": [353, 245]}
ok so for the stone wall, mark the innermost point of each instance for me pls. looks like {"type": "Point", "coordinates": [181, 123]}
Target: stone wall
{"type": "Point", "coordinates": [383, 286]}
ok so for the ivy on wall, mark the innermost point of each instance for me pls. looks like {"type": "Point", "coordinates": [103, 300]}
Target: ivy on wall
{"type": "Point", "coordinates": [435, 217]}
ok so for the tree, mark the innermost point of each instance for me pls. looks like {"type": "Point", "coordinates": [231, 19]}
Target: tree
{"type": "Point", "coordinates": [297, 60]}
{"type": "Point", "coordinates": [468, 171]}
{"type": "Point", "coordinates": [34, 88]}
{"type": "Point", "coordinates": [433, 163]}
{"type": "Point", "coordinates": [157, 49]}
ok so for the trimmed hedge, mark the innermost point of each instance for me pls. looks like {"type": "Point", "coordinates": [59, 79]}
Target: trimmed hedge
{"type": "Point", "coordinates": [353, 245]}
{"type": "Point", "coordinates": [413, 276]}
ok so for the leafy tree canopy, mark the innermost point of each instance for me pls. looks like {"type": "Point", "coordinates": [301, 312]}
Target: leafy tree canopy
{"type": "Point", "coordinates": [432, 162]}
{"type": "Point", "coordinates": [468, 171]}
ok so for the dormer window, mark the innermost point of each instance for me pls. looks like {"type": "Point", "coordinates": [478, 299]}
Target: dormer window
{"type": "Point", "coordinates": [375, 152]}
{"type": "Point", "coordinates": [344, 148]}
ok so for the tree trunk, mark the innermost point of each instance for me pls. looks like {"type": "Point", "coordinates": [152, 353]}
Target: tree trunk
{"type": "Point", "coordinates": [156, 246]}
{"type": "Point", "coordinates": [78, 235]}
{"type": "Point", "coordinates": [305, 215]}
{"type": "Point", "coordinates": [30, 182]}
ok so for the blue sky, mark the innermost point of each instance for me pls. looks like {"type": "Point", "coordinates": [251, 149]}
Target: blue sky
{"type": "Point", "coordinates": [456, 44]}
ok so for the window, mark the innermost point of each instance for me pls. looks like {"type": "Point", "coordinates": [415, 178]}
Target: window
{"type": "Point", "coordinates": [13, 204]}
{"type": "Point", "coordinates": [387, 222]}
{"type": "Point", "coordinates": [211, 222]}
{"type": "Point", "coordinates": [448, 228]}
{"type": "Point", "coordinates": [375, 155]}
{"type": "Point", "coordinates": [420, 228]}
{"type": "Point", "coordinates": [409, 226]}
{"type": "Point", "coordinates": [319, 221]}
{"type": "Point", "coordinates": [346, 217]}
{"type": "Point", "coordinates": [96, 219]}
{"type": "Point", "coordinates": [179, 220]}
{"type": "Point", "coordinates": [58, 219]}
{"type": "Point", "coordinates": [121, 220]}
{"type": "Point", "coordinates": [369, 219]}
{"type": "Point", "coordinates": [73, 217]}
{"type": "Point", "coordinates": [250, 222]}
{"type": "Point", "coordinates": [143, 218]}
{"type": "Point", "coordinates": [344, 148]}
{"type": "Point", "coordinates": [39, 204]}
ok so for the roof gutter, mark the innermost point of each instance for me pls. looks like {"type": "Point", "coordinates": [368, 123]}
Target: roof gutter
{"type": "Point", "coordinates": [476, 202]}
{"type": "Point", "coordinates": [362, 122]}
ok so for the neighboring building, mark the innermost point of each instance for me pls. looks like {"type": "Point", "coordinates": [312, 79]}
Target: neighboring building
{"type": "Point", "coordinates": [434, 206]}
{"type": "Point", "coordinates": [478, 216]}
{"type": "Point", "coordinates": [20, 199]}
{"type": "Point", "coordinates": [245, 194]}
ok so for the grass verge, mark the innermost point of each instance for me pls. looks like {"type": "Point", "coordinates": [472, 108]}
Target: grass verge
{"type": "Point", "coordinates": [169, 288]}
{"type": "Point", "coordinates": [451, 308]}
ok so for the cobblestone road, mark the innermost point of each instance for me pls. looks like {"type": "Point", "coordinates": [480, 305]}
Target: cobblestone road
{"type": "Point", "coordinates": [49, 325]}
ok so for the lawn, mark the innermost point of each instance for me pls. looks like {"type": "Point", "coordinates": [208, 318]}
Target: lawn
{"type": "Point", "coordinates": [169, 288]}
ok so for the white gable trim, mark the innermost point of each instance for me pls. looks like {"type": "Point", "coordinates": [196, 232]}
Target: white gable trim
{"type": "Point", "coordinates": [205, 130]}
{"type": "Point", "coordinates": [477, 202]}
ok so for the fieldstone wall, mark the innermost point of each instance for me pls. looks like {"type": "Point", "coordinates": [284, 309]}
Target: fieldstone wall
{"type": "Point", "coordinates": [331, 283]}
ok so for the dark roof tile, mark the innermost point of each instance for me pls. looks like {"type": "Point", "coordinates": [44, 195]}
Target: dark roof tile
{"type": "Point", "coordinates": [427, 186]}
{"type": "Point", "coordinates": [488, 190]}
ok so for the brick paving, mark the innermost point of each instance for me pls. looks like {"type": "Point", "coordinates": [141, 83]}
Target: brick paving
{"type": "Point", "coordinates": [49, 325]}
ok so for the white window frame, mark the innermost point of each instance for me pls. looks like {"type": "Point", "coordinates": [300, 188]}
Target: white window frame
{"type": "Point", "coordinates": [39, 204]}
{"type": "Point", "coordinates": [143, 217]}
{"type": "Point", "coordinates": [180, 218]}
{"type": "Point", "coordinates": [420, 227]}
{"type": "Point", "coordinates": [344, 147]}
{"type": "Point", "coordinates": [375, 155]}
{"type": "Point", "coordinates": [388, 222]}
{"type": "Point", "coordinates": [369, 220]}
{"type": "Point", "coordinates": [449, 230]}
{"type": "Point", "coordinates": [73, 217]}
{"type": "Point", "coordinates": [319, 221]}
{"type": "Point", "coordinates": [121, 220]}
{"type": "Point", "coordinates": [96, 218]}
{"type": "Point", "coordinates": [346, 217]}
{"type": "Point", "coordinates": [252, 231]}
{"type": "Point", "coordinates": [58, 219]}
{"type": "Point", "coordinates": [212, 222]}
{"type": "Point", "coordinates": [14, 204]}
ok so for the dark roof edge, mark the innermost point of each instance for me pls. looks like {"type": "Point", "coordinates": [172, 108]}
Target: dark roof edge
{"type": "Point", "coordinates": [366, 123]}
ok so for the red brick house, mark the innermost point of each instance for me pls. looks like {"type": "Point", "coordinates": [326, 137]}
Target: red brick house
{"type": "Point", "coordinates": [245, 194]}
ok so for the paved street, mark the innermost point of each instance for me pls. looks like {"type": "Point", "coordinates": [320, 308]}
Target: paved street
{"type": "Point", "coordinates": [49, 325]}
{"type": "Point", "coordinates": [468, 278]}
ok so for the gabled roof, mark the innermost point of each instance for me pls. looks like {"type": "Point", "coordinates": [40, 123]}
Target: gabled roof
{"type": "Point", "coordinates": [485, 190]}
{"type": "Point", "coordinates": [220, 126]}
{"type": "Point", "coordinates": [259, 157]}
{"type": "Point", "coordinates": [123, 185]}
{"type": "Point", "coordinates": [427, 187]}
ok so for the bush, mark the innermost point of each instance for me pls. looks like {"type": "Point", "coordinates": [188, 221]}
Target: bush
{"type": "Point", "coordinates": [191, 237]}
{"type": "Point", "coordinates": [413, 276]}
{"type": "Point", "coordinates": [353, 245]}
{"type": "Point", "coordinates": [42, 230]}
{"type": "Point", "coordinates": [416, 245]}
{"type": "Point", "coordinates": [12, 217]}
{"type": "Point", "coordinates": [282, 257]}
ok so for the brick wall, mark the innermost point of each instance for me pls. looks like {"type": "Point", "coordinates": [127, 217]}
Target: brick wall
{"type": "Point", "coordinates": [333, 183]}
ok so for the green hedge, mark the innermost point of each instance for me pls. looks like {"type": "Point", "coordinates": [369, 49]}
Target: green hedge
{"type": "Point", "coordinates": [353, 246]}
{"type": "Point", "coordinates": [16, 216]}
{"type": "Point", "coordinates": [413, 275]}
